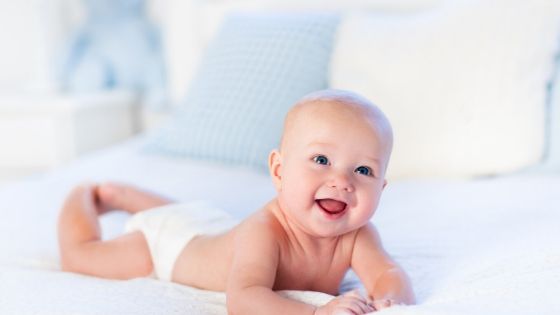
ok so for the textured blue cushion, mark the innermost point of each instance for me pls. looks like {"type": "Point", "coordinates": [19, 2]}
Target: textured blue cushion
{"type": "Point", "coordinates": [251, 74]}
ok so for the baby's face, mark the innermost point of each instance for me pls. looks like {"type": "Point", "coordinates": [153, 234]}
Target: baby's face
{"type": "Point", "coordinates": [331, 169]}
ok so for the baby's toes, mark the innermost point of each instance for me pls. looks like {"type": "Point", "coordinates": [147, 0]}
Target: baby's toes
{"type": "Point", "coordinates": [81, 196]}
{"type": "Point", "coordinates": [110, 196]}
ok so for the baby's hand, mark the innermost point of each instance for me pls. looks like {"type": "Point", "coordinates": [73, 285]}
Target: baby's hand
{"type": "Point", "coordinates": [381, 304]}
{"type": "Point", "coordinates": [350, 303]}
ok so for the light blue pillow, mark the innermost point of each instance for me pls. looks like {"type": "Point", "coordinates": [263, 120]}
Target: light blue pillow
{"type": "Point", "coordinates": [251, 74]}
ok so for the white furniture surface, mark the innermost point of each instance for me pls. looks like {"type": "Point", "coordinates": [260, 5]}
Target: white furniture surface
{"type": "Point", "coordinates": [41, 132]}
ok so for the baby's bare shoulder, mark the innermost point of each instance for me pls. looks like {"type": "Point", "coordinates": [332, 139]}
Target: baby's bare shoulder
{"type": "Point", "coordinates": [368, 235]}
{"type": "Point", "coordinates": [256, 250]}
{"type": "Point", "coordinates": [369, 248]}
{"type": "Point", "coordinates": [262, 223]}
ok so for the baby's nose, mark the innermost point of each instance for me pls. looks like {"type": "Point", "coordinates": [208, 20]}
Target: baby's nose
{"type": "Point", "coordinates": [341, 181]}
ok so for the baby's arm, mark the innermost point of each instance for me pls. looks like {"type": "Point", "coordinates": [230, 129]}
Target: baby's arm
{"type": "Point", "coordinates": [252, 276]}
{"type": "Point", "coordinates": [385, 281]}
{"type": "Point", "coordinates": [253, 272]}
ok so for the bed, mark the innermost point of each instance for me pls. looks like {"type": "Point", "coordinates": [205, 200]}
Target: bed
{"type": "Point", "coordinates": [487, 246]}
{"type": "Point", "coordinates": [477, 233]}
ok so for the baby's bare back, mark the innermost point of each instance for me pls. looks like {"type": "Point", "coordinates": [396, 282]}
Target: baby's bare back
{"type": "Point", "coordinates": [206, 260]}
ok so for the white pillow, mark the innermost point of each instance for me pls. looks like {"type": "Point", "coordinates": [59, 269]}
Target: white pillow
{"type": "Point", "coordinates": [188, 27]}
{"type": "Point", "coordinates": [464, 85]}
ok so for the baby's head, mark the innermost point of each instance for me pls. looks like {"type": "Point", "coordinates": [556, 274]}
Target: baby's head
{"type": "Point", "coordinates": [330, 169]}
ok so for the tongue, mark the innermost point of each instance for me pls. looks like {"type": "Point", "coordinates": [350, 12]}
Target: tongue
{"type": "Point", "coordinates": [331, 205]}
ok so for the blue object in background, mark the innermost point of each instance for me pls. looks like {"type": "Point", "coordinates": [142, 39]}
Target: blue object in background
{"type": "Point", "coordinates": [116, 47]}
{"type": "Point", "coordinates": [253, 71]}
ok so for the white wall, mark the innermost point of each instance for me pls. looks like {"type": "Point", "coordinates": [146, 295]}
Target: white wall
{"type": "Point", "coordinates": [30, 31]}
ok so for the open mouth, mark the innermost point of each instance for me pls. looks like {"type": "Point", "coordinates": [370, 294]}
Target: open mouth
{"type": "Point", "coordinates": [333, 208]}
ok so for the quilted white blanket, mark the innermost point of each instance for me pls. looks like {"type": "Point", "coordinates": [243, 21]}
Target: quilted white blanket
{"type": "Point", "coordinates": [487, 246]}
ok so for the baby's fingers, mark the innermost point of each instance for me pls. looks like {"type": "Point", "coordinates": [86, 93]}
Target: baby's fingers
{"type": "Point", "coordinates": [361, 300]}
{"type": "Point", "coordinates": [355, 305]}
{"type": "Point", "coordinates": [381, 304]}
{"type": "Point", "coordinates": [355, 294]}
{"type": "Point", "coordinates": [347, 309]}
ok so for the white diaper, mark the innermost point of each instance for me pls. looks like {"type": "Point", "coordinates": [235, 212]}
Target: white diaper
{"type": "Point", "coordinates": [169, 228]}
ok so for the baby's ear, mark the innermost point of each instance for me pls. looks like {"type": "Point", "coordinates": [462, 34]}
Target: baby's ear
{"type": "Point", "coordinates": [274, 167]}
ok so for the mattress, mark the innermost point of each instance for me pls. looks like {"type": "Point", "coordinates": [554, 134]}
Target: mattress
{"type": "Point", "coordinates": [482, 246]}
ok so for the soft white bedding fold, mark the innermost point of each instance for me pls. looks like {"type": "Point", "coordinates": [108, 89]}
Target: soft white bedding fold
{"type": "Point", "coordinates": [487, 246]}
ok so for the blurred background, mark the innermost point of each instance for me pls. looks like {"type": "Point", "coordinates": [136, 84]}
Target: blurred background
{"type": "Point", "coordinates": [73, 76]}
{"type": "Point", "coordinates": [80, 75]}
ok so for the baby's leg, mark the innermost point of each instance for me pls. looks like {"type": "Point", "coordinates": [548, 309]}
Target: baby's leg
{"type": "Point", "coordinates": [111, 196]}
{"type": "Point", "coordinates": [83, 251]}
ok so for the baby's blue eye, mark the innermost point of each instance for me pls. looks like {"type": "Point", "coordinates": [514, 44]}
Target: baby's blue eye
{"type": "Point", "coordinates": [364, 170]}
{"type": "Point", "coordinates": [321, 159]}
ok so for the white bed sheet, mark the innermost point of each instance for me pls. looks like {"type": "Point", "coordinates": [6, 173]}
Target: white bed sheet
{"type": "Point", "coordinates": [487, 246]}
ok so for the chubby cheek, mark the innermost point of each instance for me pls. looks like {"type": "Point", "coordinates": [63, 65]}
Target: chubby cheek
{"type": "Point", "coordinates": [368, 202]}
{"type": "Point", "coordinates": [298, 191]}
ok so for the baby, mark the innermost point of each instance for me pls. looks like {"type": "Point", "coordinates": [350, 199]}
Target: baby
{"type": "Point", "coordinates": [329, 173]}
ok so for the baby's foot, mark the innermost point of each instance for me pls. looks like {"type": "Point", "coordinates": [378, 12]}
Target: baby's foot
{"type": "Point", "coordinates": [114, 196]}
{"type": "Point", "coordinates": [78, 221]}
{"type": "Point", "coordinates": [83, 196]}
